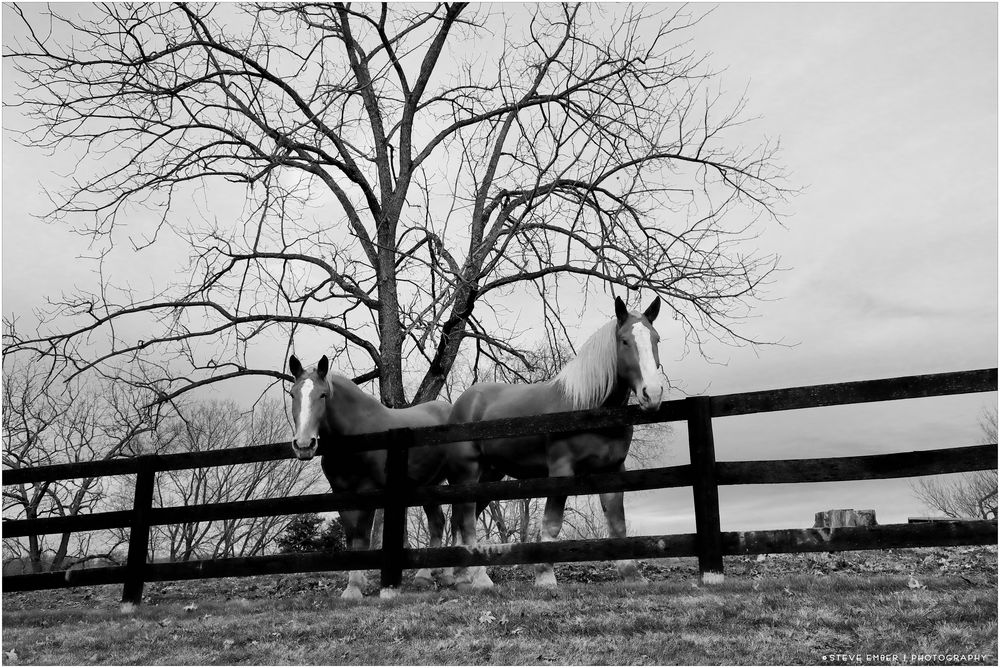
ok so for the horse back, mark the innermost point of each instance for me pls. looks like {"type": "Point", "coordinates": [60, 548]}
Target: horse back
{"type": "Point", "coordinates": [495, 401]}
{"type": "Point", "coordinates": [533, 455]}
{"type": "Point", "coordinates": [427, 414]}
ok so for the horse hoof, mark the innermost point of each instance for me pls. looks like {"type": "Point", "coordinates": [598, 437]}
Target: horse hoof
{"type": "Point", "coordinates": [351, 592]}
{"type": "Point", "coordinates": [421, 582]}
{"type": "Point", "coordinates": [629, 572]}
{"type": "Point", "coordinates": [546, 580]}
{"type": "Point", "coordinates": [482, 581]}
{"type": "Point", "coordinates": [387, 593]}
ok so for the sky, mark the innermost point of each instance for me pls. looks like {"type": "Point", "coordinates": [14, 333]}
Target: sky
{"type": "Point", "coordinates": [887, 117]}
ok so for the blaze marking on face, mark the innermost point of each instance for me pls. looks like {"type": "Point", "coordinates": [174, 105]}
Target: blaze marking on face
{"type": "Point", "coordinates": [305, 405]}
{"type": "Point", "coordinates": [644, 348]}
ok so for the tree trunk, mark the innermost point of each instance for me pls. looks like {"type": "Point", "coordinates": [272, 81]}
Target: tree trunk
{"type": "Point", "coordinates": [61, 552]}
{"type": "Point", "coordinates": [390, 330]}
{"type": "Point", "coordinates": [525, 519]}
{"type": "Point", "coordinates": [452, 333]}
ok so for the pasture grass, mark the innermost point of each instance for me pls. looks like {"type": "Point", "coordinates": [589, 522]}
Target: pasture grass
{"type": "Point", "coordinates": [794, 620]}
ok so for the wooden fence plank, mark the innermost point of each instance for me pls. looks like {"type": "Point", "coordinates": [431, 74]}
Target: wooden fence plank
{"type": "Point", "coordinates": [867, 467]}
{"type": "Point", "coordinates": [537, 488]}
{"type": "Point", "coordinates": [928, 385]}
{"type": "Point", "coordinates": [978, 532]}
{"type": "Point", "coordinates": [675, 476]}
{"type": "Point", "coordinates": [508, 554]}
{"type": "Point", "coordinates": [906, 464]}
{"type": "Point", "coordinates": [308, 562]}
{"type": "Point", "coordinates": [552, 423]}
{"type": "Point", "coordinates": [76, 577]}
{"type": "Point", "coordinates": [86, 522]}
{"type": "Point", "coordinates": [889, 389]}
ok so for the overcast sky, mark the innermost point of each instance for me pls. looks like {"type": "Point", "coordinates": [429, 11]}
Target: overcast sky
{"type": "Point", "coordinates": [887, 116]}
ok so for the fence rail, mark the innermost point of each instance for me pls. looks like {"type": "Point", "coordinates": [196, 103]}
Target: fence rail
{"type": "Point", "coordinates": [703, 474]}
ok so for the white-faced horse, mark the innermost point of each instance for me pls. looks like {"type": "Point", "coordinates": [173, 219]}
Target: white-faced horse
{"type": "Point", "coordinates": [326, 407]}
{"type": "Point", "coordinates": [619, 359]}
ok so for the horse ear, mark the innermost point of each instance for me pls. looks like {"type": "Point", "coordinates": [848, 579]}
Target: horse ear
{"type": "Point", "coordinates": [323, 366]}
{"type": "Point", "coordinates": [653, 310]}
{"type": "Point", "coordinates": [621, 311]}
{"type": "Point", "coordinates": [295, 366]}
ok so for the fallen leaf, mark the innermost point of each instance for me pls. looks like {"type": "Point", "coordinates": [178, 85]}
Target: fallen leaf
{"type": "Point", "coordinates": [227, 643]}
{"type": "Point", "coordinates": [191, 607]}
{"type": "Point", "coordinates": [914, 583]}
{"type": "Point", "coordinates": [10, 656]}
{"type": "Point", "coordinates": [487, 618]}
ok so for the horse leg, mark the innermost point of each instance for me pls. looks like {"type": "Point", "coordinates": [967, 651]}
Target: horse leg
{"type": "Point", "coordinates": [464, 469]}
{"type": "Point", "coordinates": [613, 504]}
{"type": "Point", "coordinates": [357, 530]}
{"type": "Point", "coordinates": [463, 517]}
{"type": "Point", "coordinates": [545, 575]}
{"type": "Point", "coordinates": [435, 528]}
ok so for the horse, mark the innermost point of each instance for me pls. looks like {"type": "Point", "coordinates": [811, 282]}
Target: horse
{"type": "Point", "coordinates": [325, 407]}
{"type": "Point", "coordinates": [619, 359]}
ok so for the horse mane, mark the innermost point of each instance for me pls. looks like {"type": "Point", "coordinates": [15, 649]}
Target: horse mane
{"type": "Point", "coordinates": [589, 378]}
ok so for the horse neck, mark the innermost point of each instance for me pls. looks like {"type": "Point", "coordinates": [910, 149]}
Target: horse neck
{"type": "Point", "coordinates": [348, 405]}
{"type": "Point", "coordinates": [618, 397]}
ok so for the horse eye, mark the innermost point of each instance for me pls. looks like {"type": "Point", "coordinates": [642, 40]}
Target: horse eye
{"type": "Point", "coordinates": [323, 396]}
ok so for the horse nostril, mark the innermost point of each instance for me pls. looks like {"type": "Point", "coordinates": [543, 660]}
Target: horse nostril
{"type": "Point", "coordinates": [645, 393]}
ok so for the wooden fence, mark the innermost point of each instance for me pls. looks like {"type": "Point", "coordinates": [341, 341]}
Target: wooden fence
{"type": "Point", "coordinates": [703, 474]}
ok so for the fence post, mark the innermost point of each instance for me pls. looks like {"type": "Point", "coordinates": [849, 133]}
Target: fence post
{"type": "Point", "coordinates": [138, 539]}
{"type": "Point", "coordinates": [701, 443]}
{"type": "Point", "coordinates": [394, 517]}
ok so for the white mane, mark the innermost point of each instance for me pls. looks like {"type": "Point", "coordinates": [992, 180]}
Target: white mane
{"type": "Point", "coordinates": [588, 379]}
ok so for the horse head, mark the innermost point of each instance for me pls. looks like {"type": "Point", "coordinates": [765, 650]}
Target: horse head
{"type": "Point", "coordinates": [310, 400]}
{"type": "Point", "coordinates": [638, 354]}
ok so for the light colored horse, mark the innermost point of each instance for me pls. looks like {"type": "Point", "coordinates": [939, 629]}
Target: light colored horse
{"type": "Point", "coordinates": [619, 359]}
{"type": "Point", "coordinates": [327, 407]}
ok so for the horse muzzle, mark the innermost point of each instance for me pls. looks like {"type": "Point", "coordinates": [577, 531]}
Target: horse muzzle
{"type": "Point", "coordinates": [650, 397]}
{"type": "Point", "coordinates": [305, 452]}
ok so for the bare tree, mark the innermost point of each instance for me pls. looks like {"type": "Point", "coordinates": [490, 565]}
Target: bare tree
{"type": "Point", "coordinates": [216, 425]}
{"type": "Point", "coordinates": [971, 494]}
{"type": "Point", "coordinates": [400, 186]}
{"type": "Point", "coordinates": [47, 422]}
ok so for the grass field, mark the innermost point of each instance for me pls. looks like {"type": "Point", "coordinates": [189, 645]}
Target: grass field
{"type": "Point", "coordinates": [799, 619]}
